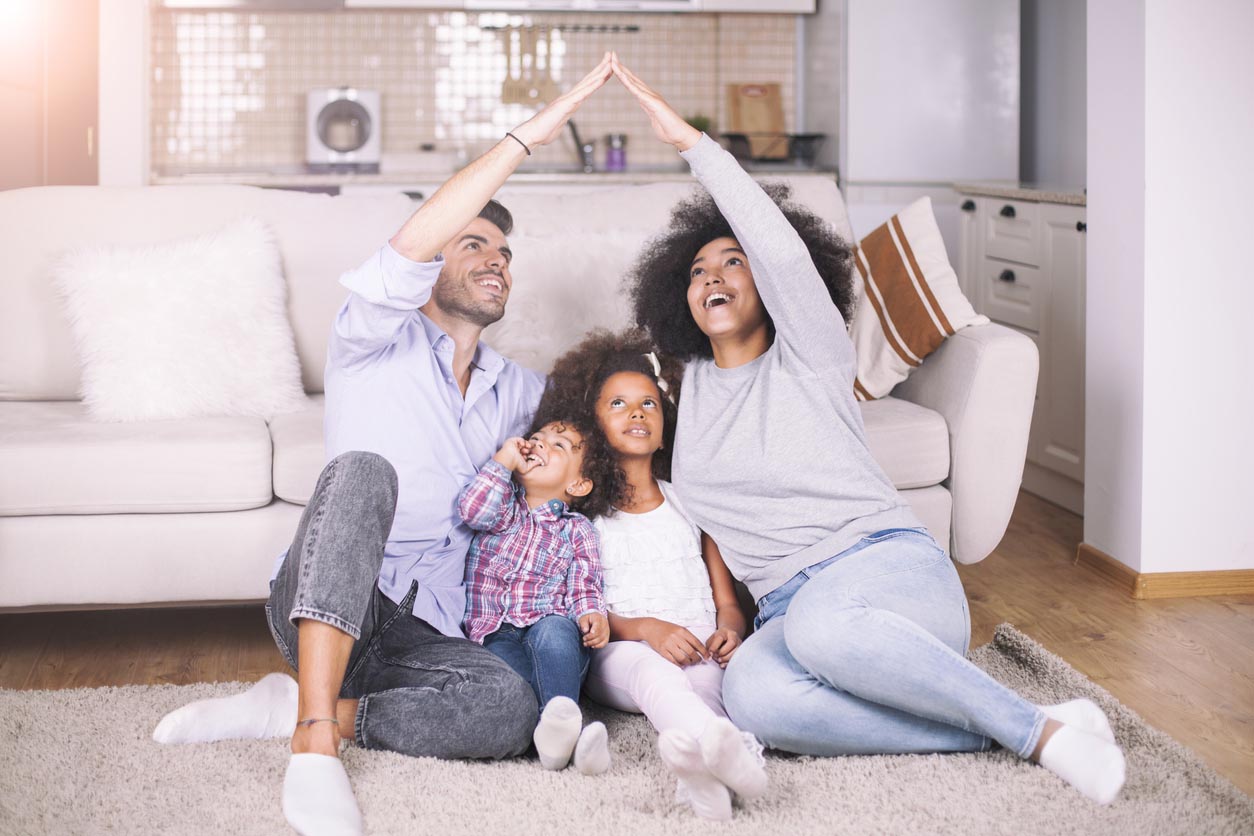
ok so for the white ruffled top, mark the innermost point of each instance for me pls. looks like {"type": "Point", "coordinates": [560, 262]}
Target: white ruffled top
{"type": "Point", "coordinates": [652, 565]}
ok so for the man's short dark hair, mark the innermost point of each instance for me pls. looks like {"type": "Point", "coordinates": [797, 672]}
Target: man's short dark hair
{"type": "Point", "coordinates": [499, 215]}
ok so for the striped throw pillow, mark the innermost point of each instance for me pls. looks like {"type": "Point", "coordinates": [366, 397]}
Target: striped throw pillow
{"type": "Point", "coordinates": [908, 299]}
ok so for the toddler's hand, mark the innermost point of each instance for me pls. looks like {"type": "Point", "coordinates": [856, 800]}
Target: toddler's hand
{"type": "Point", "coordinates": [722, 643]}
{"type": "Point", "coordinates": [595, 628]}
{"type": "Point", "coordinates": [513, 455]}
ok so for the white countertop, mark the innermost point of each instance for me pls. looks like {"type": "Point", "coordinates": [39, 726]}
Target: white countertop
{"type": "Point", "coordinates": [1013, 190]}
{"type": "Point", "coordinates": [300, 179]}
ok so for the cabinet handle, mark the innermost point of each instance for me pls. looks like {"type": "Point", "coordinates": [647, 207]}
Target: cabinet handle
{"type": "Point", "coordinates": [1007, 276]}
{"type": "Point", "coordinates": [1007, 211]}
{"type": "Point", "coordinates": [1081, 226]}
{"type": "Point", "coordinates": [968, 205]}
{"type": "Point", "coordinates": [414, 195]}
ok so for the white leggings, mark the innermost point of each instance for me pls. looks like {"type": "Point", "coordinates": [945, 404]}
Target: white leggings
{"type": "Point", "coordinates": [631, 676]}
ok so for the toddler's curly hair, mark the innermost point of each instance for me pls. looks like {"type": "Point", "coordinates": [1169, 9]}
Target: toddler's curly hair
{"type": "Point", "coordinates": [571, 395]}
{"type": "Point", "coordinates": [658, 282]}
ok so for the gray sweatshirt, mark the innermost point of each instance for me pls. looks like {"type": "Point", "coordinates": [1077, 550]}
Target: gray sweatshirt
{"type": "Point", "coordinates": [771, 458]}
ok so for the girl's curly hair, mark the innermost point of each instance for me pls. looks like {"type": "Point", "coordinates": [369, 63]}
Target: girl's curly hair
{"type": "Point", "coordinates": [571, 395]}
{"type": "Point", "coordinates": [658, 282]}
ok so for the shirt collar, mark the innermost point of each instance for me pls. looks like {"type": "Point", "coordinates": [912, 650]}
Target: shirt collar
{"type": "Point", "coordinates": [486, 358]}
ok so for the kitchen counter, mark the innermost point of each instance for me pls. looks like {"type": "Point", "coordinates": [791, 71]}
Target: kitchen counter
{"type": "Point", "coordinates": [299, 179]}
{"type": "Point", "coordinates": [1012, 190]}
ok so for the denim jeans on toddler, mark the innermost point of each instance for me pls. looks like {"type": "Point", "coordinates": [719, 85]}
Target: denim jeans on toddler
{"type": "Point", "coordinates": [865, 653]}
{"type": "Point", "coordinates": [549, 654]}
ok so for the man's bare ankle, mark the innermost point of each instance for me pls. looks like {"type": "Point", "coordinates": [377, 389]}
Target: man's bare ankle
{"type": "Point", "coordinates": [320, 739]}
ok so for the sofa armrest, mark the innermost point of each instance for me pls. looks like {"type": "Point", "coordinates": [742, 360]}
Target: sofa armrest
{"type": "Point", "coordinates": [983, 381]}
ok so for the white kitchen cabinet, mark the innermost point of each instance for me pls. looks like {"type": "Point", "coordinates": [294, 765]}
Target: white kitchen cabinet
{"type": "Point", "coordinates": [1021, 263]}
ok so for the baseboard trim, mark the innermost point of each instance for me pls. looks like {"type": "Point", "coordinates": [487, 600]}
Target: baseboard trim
{"type": "Point", "coordinates": [1165, 584]}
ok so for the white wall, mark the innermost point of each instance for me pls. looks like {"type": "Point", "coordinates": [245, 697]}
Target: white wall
{"type": "Point", "coordinates": [1199, 286]}
{"type": "Point", "coordinates": [1169, 457]}
{"type": "Point", "coordinates": [1052, 115]}
{"type": "Point", "coordinates": [123, 114]}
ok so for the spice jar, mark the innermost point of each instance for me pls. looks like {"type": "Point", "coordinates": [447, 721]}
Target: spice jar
{"type": "Point", "coordinates": [616, 152]}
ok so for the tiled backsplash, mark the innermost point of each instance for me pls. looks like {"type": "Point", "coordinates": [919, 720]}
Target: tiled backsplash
{"type": "Point", "coordinates": [228, 89]}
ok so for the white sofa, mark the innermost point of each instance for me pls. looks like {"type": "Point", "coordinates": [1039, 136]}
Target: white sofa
{"type": "Point", "coordinates": [195, 511]}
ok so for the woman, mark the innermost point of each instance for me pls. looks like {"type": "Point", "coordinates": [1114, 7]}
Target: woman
{"type": "Point", "coordinates": [863, 625]}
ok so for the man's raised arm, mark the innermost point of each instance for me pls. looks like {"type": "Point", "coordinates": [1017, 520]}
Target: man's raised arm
{"type": "Point", "coordinates": [458, 201]}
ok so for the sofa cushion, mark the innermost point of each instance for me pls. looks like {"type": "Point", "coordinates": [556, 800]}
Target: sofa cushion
{"type": "Point", "coordinates": [210, 313]}
{"type": "Point", "coordinates": [908, 296]}
{"type": "Point", "coordinates": [909, 441]}
{"type": "Point", "coordinates": [298, 451]}
{"type": "Point", "coordinates": [319, 238]}
{"type": "Point", "coordinates": [54, 459]}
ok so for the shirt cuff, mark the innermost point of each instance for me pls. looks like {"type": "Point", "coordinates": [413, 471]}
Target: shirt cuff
{"type": "Point", "coordinates": [389, 278]}
{"type": "Point", "coordinates": [703, 152]}
{"type": "Point", "coordinates": [499, 470]}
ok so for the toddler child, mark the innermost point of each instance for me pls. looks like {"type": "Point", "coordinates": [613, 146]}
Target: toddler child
{"type": "Point", "coordinates": [533, 581]}
{"type": "Point", "coordinates": [673, 614]}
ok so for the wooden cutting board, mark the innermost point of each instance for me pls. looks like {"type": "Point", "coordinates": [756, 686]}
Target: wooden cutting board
{"type": "Point", "coordinates": [758, 110]}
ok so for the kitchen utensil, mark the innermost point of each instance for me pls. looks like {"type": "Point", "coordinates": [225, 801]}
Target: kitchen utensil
{"type": "Point", "coordinates": [512, 91]}
{"type": "Point", "coordinates": [546, 85]}
{"type": "Point", "coordinates": [528, 45]}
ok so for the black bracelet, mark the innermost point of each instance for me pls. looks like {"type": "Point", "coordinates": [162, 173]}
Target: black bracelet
{"type": "Point", "coordinates": [520, 142]}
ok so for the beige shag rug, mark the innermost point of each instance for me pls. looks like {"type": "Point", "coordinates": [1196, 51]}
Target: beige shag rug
{"type": "Point", "coordinates": [83, 761]}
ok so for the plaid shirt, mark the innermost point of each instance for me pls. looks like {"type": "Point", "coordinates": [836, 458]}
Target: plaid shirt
{"type": "Point", "coordinates": [525, 564]}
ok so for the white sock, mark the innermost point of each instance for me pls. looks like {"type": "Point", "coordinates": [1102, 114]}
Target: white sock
{"type": "Point", "coordinates": [268, 709]}
{"type": "Point", "coordinates": [592, 752]}
{"type": "Point", "coordinates": [1084, 715]}
{"type": "Point", "coordinates": [1088, 763]}
{"type": "Point", "coordinates": [317, 798]}
{"type": "Point", "coordinates": [555, 736]}
{"type": "Point", "coordinates": [726, 753]}
{"type": "Point", "coordinates": [705, 794]}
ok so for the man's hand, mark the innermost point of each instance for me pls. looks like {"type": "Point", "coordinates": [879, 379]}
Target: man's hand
{"type": "Point", "coordinates": [668, 125]}
{"type": "Point", "coordinates": [595, 628]}
{"type": "Point", "coordinates": [722, 643]}
{"type": "Point", "coordinates": [513, 455]}
{"type": "Point", "coordinates": [547, 125]}
{"type": "Point", "coordinates": [674, 643]}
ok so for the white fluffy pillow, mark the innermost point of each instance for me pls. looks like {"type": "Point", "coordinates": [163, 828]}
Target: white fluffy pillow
{"type": "Point", "coordinates": [192, 327]}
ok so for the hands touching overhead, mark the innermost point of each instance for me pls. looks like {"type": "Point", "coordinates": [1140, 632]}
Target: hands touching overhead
{"type": "Point", "coordinates": [547, 124]}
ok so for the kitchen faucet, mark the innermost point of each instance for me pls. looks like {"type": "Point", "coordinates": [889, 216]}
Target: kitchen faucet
{"type": "Point", "coordinates": [585, 149]}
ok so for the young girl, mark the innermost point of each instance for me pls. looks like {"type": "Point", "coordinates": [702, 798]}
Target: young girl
{"type": "Point", "coordinates": [674, 619]}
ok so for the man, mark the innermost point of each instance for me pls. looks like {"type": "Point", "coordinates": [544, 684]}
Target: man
{"type": "Point", "coordinates": [368, 600]}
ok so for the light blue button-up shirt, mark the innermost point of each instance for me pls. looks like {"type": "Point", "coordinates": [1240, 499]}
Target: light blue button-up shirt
{"type": "Point", "coordinates": [391, 390]}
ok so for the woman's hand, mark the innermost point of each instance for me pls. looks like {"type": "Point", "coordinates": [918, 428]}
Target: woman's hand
{"type": "Point", "coordinates": [674, 643]}
{"type": "Point", "coordinates": [547, 125]}
{"type": "Point", "coordinates": [668, 125]}
{"type": "Point", "coordinates": [722, 643]}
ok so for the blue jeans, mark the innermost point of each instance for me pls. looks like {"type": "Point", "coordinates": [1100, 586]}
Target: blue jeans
{"type": "Point", "coordinates": [548, 654]}
{"type": "Point", "coordinates": [865, 653]}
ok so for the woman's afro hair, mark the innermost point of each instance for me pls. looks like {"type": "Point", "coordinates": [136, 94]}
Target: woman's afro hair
{"type": "Point", "coordinates": [659, 281]}
{"type": "Point", "coordinates": [571, 395]}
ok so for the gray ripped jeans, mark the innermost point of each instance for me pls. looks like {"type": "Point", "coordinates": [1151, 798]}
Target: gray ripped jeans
{"type": "Point", "coordinates": [420, 692]}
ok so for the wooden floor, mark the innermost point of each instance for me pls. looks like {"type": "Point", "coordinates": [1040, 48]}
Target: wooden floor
{"type": "Point", "coordinates": [1186, 665]}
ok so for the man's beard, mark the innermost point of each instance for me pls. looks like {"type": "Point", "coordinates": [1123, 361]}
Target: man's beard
{"type": "Point", "coordinates": [455, 297]}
